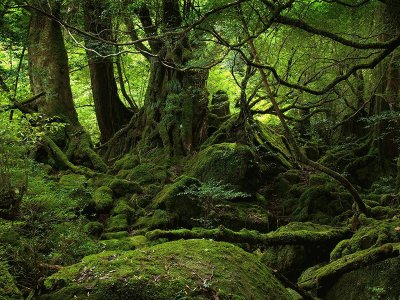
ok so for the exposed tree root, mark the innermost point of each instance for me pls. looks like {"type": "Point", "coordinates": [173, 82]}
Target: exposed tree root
{"type": "Point", "coordinates": [63, 159]}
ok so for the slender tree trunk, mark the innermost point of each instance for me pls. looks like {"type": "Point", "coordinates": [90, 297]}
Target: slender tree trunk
{"type": "Point", "coordinates": [111, 113]}
{"type": "Point", "coordinates": [387, 98]}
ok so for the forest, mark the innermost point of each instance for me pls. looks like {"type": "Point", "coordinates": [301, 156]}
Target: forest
{"type": "Point", "coordinates": [200, 149]}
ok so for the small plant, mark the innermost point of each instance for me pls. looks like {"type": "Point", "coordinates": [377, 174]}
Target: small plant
{"type": "Point", "coordinates": [208, 195]}
{"type": "Point", "coordinates": [377, 293]}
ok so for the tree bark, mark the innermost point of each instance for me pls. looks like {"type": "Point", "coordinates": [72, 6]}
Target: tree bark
{"type": "Point", "coordinates": [111, 113]}
{"type": "Point", "coordinates": [49, 73]}
{"type": "Point", "coordinates": [48, 68]}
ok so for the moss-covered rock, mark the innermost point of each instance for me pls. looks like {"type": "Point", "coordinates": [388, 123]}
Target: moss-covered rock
{"type": "Point", "coordinates": [229, 163]}
{"type": "Point", "coordinates": [128, 161]}
{"type": "Point", "coordinates": [103, 199]}
{"type": "Point", "coordinates": [8, 288]}
{"type": "Point", "coordinates": [122, 187]}
{"type": "Point", "coordinates": [125, 244]}
{"type": "Point", "coordinates": [174, 200]}
{"type": "Point", "coordinates": [158, 218]}
{"type": "Point", "coordinates": [292, 259]}
{"type": "Point", "coordinates": [377, 281]}
{"type": "Point", "coordinates": [117, 223]}
{"type": "Point", "coordinates": [122, 207]}
{"type": "Point", "coordinates": [320, 203]}
{"type": "Point", "coordinates": [358, 275]}
{"type": "Point", "coordinates": [114, 235]}
{"type": "Point", "coordinates": [193, 269]}
{"type": "Point", "coordinates": [93, 228]}
{"type": "Point", "coordinates": [145, 173]}
{"type": "Point", "coordinates": [372, 233]}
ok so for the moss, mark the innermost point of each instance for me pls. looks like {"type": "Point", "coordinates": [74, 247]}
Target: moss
{"type": "Point", "coordinates": [93, 228]}
{"type": "Point", "coordinates": [117, 223]}
{"type": "Point", "coordinates": [254, 239]}
{"type": "Point", "coordinates": [103, 199]}
{"type": "Point", "coordinates": [8, 287]}
{"type": "Point", "coordinates": [194, 269]}
{"type": "Point", "coordinates": [311, 151]}
{"type": "Point", "coordinates": [156, 219]}
{"type": "Point", "coordinates": [229, 163]}
{"type": "Point", "coordinates": [238, 215]}
{"type": "Point", "coordinates": [377, 281]}
{"type": "Point", "coordinates": [73, 182]}
{"type": "Point", "coordinates": [146, 173]}
{"type": "Point", "coordinates": [173, 199]}
{"type": "Point", "coordinates": [325, 276]}
{"type": "Point", "coordinates": [101, 180]}
{"type": "Point", "coordinates": [373, 233]}
{"type": "Point", "coordinates": [114, 235]}
{"type": "Point", "coordinates": [319, 203]}
{"type": "Point", "coordinates": [128, 161]}
{"type": "Point", "coordinates": [124, 244]}
{"type": "Point", "coordinates": [122, 187]}
{"type": "Point", "coordinates": [122, 207]}
{"type": "Point", "coordinates": [291, 260]}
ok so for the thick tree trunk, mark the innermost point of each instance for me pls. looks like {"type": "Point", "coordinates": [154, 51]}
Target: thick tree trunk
{"type": "Point", "coordinates": [176, 108]}
{"type": "Point", "coordinates": [111, 113]}
{"type": "Point", "coordinates": [49, 73]}
{"type": "Point", "coordinates": [48, 69]}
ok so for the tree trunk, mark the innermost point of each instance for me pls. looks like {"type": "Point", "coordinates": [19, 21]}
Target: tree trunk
{"type": "Point", "coordinates": [48, 69]}
{"type": "Point", "coordinates": [111, 113]}
{"type": "Point", "coordinates": [386, 100]}
{"type": "Point", "coordinates": [176, 109]}
{"type": "Point", "coordinates": [49, 73]}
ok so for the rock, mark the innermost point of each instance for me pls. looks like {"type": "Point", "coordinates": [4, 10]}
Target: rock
{"type": "Point", "coordinates": [193, 269]}
{"type": "Point", "coordinates": [377, 281]}
{"type": "Point", "coordinates": [228, 163]}
{"type": "Point", "coordinates": [103, 199]}
{"type": "Point", "coordinates": [291, 260]}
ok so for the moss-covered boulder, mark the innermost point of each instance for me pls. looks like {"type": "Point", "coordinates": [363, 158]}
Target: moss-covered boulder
{"type": "Point", "coordinates": [93, 228]}
{"type": "Point", "coordinates": [192, 269]}
{"type": "Point", "coordinates": [292, 259]}
{"type": "Point", "coordinates": [103, 199]}
{"type": "Point", "coordinates": [8, 288]}
{"type": "Point", "coordinates": [174, 200]}
{"type": "Point", "coordinates": [188, 203]}
{"type": "Point", "coordinates": [229, 163]}
{"type": "Point", "coordinates": [123, 187]}
{"type": "Point", "coordinates": [145, 173]}
{"type": "Point", "coordinates": [377, 281]}
{"type": "Point", "coordinates": [322, 201]}
{"type": "Point", "coordinates": [366, 274]}
{"type": "Point", "coordinates": [117, 223]}
{"type": "Point", "coordinates": [372, 233]}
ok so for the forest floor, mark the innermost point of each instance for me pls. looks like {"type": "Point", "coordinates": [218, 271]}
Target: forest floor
{"type": "Point", "coordinates": [224, 223]}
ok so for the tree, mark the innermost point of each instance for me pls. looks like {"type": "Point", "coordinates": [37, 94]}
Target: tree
{"type": "Point", "coordinates": [111, 113]}
{"type": "Point", "coordinates": [49, 74]}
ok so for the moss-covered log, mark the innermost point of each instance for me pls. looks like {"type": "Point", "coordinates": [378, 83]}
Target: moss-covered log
{"type": "Point", "coordinates": [253, 237]}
